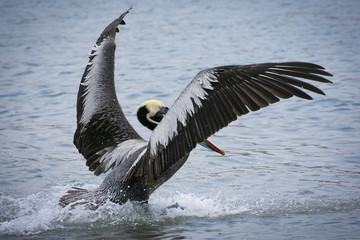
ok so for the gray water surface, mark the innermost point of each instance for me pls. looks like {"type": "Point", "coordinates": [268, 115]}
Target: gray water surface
{"type": "Point", "coordinates": [291, 170]}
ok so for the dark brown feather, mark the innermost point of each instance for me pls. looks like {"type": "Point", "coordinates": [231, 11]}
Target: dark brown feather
{"type": "Point", "coordinates": [236, 90]}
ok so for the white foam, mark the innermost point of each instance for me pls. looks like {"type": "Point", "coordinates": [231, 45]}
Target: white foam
{"type": "Point", "coordinates": [36, 213]}
{"type": "Point", "coordinates": [29, 215]}
{"type": "Point", "coordinates": [192, 205]}
{"type": "Point", "coordinates": [40, 212]}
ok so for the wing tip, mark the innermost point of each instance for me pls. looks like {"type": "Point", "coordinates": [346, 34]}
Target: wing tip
{"type": "Point", "coordinates": [112, 28]}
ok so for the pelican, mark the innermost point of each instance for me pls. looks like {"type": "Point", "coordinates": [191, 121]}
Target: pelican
{"type": "Point", "coordinates": [214, 98]}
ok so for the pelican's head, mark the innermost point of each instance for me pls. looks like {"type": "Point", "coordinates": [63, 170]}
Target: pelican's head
{"type": "Point", "coordinates": [150, 113]}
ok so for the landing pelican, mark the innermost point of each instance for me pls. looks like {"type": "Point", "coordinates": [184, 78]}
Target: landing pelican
{"type": "Point", "coordinates": [213, 99]}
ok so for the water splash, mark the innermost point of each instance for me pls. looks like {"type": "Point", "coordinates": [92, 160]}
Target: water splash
{"type": "Point", "coordinates": [191, 205]}
{"type": "Point", "coordinates": [40, 212]}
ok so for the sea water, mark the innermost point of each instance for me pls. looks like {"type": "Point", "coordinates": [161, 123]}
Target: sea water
{"type": "Point", "coordinates": [291, 170]}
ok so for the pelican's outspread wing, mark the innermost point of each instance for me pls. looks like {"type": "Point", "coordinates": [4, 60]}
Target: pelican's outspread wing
{"type": "Point", "coordinates": [103, 135]}
{"type": "Point", "coordinates": [216, 97]}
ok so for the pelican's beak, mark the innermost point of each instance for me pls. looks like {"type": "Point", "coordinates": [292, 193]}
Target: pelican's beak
{"type": "Point", "coordinates": [159, 114]}
{"type": "Point", "coordinates": [209, 145]}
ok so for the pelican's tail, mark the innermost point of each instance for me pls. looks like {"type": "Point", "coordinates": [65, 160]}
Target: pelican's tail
{"type": "Point", "coordinates": [80, 196]}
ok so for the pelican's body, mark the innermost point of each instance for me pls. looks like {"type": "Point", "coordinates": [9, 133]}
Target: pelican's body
{"type": "Point", "coordinates": [213, 99]}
